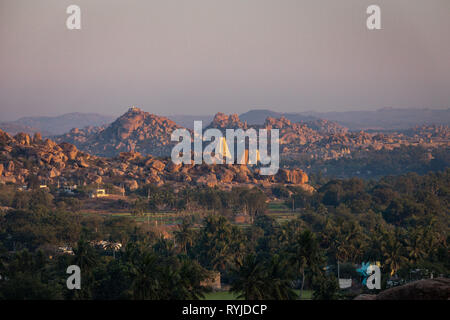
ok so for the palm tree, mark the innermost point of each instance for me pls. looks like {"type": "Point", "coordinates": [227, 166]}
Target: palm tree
{"type": "Point", "coordinates": [306, 254]}
{"type": "Point", "coordinates": [191, 276]}
{"type": "Point", "coordinates": [414, 244]}
{"type": "Point", "coordinates": [279, 279]}
{"type": "Point", "coordinates": [215, 244]}
{"type": "Point", "coordinates": [375, 240]}
{"type": "Point", "coordinates": [188, 195]}
{"type": "Point", "coordinates": [250, 282]}
{"type": "Point", "coordinates": [85, 256]}
{"type": "Point", "coordinates": [260, 278]}
{"type": "Point", "coordinates": [393, 253]}
{"type": "Point", "coordinates": [144, 270]}
{"type": "Point", "coordinates": [86, 259]}
{"type": "Point", "coordinates": [184, 236]}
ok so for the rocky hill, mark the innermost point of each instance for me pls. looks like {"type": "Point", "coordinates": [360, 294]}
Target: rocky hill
{"type": "Point", "coordinates": [382, 119]}
{"type": "Point", "coordinates": [327, 140]}
{"type": "Point", "coordinates": [24, 159]}
{"type": "Point", "coordinates": [15, 128]}
{"type": "Point", "coordinates": [259, 116]}
{"type": "Point", "coordinates": [223, 121]}
{"type": "Point", "coordinates": [134, 131]}
{"type": "Point", "coordinates": [148, 134]}
{"type": "Point", "coordinates": [49, 126]}
{"type": "Point", "coordinates": [426, 289]}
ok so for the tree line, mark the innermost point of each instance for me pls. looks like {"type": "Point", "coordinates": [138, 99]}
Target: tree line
{"type": "Point", "coordinates": [401, 221]}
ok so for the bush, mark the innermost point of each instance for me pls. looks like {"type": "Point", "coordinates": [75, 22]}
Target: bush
{"type": "Point", "coordinates": [325, 288]}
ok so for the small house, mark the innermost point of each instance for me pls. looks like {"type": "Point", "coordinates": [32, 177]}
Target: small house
{"type": "Point", "coordinates": [99, 193]}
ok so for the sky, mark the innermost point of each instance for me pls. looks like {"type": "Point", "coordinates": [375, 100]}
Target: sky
{"type": "Point", "coordinates": [205, 56]}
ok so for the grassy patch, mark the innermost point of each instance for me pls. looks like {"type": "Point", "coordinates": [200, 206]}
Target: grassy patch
{"type": "Point", "coordinates": [226, 295]}
{"type": "Point", "coordinates": [307, 294]}
{"type": "Point", "coordinates": [278, 206]}
{"type": "Point", "coordinates": [221, 295]}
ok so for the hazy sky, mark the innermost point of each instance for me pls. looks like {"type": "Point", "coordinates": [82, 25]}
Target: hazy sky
{"type": "Point", "coordinates": [204, 56]}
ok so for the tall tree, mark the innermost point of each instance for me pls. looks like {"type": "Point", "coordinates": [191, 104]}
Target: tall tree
{"type": "Point", "coordinates": [306, 254]}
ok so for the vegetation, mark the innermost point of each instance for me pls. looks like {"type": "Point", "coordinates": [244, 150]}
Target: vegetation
{"type": "Point", "coordinates": [400, 221]}
{"type": "Point", "coordinates": [374, 164]}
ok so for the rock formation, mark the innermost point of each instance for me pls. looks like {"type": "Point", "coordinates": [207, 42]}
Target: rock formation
{"type": "Point", "coordinates": [428, 289]}
{"type": "Point", "coordinates": [22, 158]}
{"type": "Point", "coordinates": [134, 131]}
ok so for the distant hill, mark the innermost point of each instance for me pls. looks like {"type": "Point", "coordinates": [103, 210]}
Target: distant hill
{"type": "Point", "coordinates": [187, 121]}
{"type": "Point", "coordinates": [382, 119]}
{"type": "Point", "coordinates": [48, 126]}
{"type": "Point", "coordinates": [259, 116]}
{"type": "Point", "coordinates": [387, 118]}
{"type": "Point", "coordinates": [14, 128]}
{"type": "Point", "coordinates": [307, 141]}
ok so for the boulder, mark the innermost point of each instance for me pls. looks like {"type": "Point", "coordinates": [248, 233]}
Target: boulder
{"type": "Point", "coordinates": [172, 167]}
{"type": "Point", "coordinates": [132, 185]}
{"type": "Point", "coordinates": [37, 138]}
{"type": "Point", "coordinates": [366, 297]}
{"type": "Point", "coordinates": [96, 179]}
{"type": "Point", "coordinates": [4, 137]}
{"type": "Point", "coordinates": [10, 167]}
{"type": "Point", "coordinates": [156, 164]}
{"type": "Point", "coordinates": [295, 176]}
{"type": "Point", "coordinates": [129, 156]}
{"type": "Point", "coordinates": [242, 177]}
{"type": "Point", "coordinates": [428, 289]}
{"type": "Point", "coordinates": [53, 173]}
{"type": "Point", "coordinates": [186, 178]}
{"type": "Point", "coordinates": [70, 150]}
{"type": "Point", "coordinates": [210, 180]}
{"type": "Point", "coordinates": [23, 139]}
{"type": "Point", "coordinates": [10, 179]}
{"type": "Point", "coordinates": [49, 144]}
{"type": "Point", "coordinates": [226, 176]}
{"type": "Point", "coordinates": [82, 163]}
{"type": "Point", "coordinates": [152, 179]}
{"type": "Point", "coordinates": [222, 121]}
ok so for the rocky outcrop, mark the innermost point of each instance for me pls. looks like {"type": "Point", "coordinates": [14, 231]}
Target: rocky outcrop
{"type": "Point", "coordinates": [226, 176]}
{"type": "Point", "coordinates": [10, 167]}
{"type": "Point", "coordinates": [69, 150]}
{"type": "Point", "coordinates": [148, 134]}
{"type": "Point", "coordinates": [52, 162]}
{"type": "Point", "coordinates": [134, 131]}
{"type": "Point", "coordinates": [132, 185]}
{"type": "Point", "coordinates": [222, 121]}
{"type": "Point", "coordinates": [23, 139]}
{"type": "Point", "coordinates": [295, 176]}
{"type": "Point", "coordinates": [172, 167]}
{"type": "Point", "coordinates": [37, 138]}
{"type": "Point", "coordinates": [210, 180]}
{"type": "Point", "coordinates": [429, 289]}
{"type": "Point", "coordinates": [156, 165]}
{"type": "Point", "coordinates": [366, 297]}
{"type": "Point", "coordinates": [129, 156]}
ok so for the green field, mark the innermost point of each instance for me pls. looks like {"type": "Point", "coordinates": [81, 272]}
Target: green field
{"type": "Point", "coordinates": [278, 206]}
{"type": "Point", "coordinates": [220, 295]}
{"type": "Point", "coordinates": [307, 294]}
